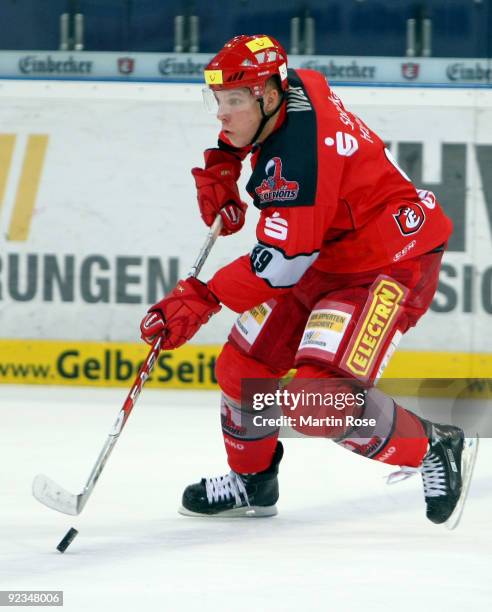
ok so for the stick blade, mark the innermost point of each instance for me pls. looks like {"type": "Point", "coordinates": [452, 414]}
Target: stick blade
{"type": "Point", "coordinates": [49, 493]}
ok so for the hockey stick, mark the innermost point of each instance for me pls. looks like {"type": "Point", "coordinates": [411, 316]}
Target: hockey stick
{"type": "Point", "coordinates": [56, 497]}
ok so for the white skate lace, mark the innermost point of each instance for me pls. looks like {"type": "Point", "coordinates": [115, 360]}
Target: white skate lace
{"type": "Point", "coordinates": [433, 476]}
{"type": "Point", "coordinates": [224, 487]}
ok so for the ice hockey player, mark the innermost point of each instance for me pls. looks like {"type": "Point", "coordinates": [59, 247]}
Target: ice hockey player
{"type": "Point", "coordinates": [346, 261]}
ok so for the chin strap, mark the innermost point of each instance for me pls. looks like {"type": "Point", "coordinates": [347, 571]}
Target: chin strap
{"type": "Point", "coordinates": [265, 117]}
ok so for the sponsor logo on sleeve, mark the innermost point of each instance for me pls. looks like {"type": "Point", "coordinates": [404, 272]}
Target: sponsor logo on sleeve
{"type": "Point", "coordinates": [409, 218]}
{"type": "Point", "coordinates": [427, 198]}
{"type": "Point", "coordinates": [346, 144]}
{"type": "Point", "coordinates": [276, 227]}
{"type": "Point", "coordinates": [405, 251]}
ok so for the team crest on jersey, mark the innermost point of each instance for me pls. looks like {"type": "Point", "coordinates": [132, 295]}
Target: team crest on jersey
{"type": "Point", "coordinates": [275, 187]}
{"type": "Point", "coordinates": [410, 218]}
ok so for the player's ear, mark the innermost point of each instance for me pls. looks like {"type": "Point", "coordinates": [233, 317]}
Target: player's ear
{"type": "Point", "coordinates": [271, 98]}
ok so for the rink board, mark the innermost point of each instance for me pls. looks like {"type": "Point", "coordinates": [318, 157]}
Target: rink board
{"type": "Point", "coordinates": [96, 364]}
{"type": "Point", "coordinates": [98, 220]}
{"type": "Point", "coordinates": [42, 362]}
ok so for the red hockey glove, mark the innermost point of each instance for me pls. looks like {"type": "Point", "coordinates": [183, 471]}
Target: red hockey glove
{"type": "Point", "coordinates": [181, 314]}
{"type": "Point", "coordinates": [217, 190]}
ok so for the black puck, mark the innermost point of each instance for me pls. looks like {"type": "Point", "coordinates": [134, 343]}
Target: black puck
{"type": "Point", "coordinates": [67, 540]}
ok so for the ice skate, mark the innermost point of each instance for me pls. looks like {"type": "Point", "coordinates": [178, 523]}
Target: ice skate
{"type": "Point", "coordinates": [235, 495]}
{"type": "Point", "coordinates": [447, 469]}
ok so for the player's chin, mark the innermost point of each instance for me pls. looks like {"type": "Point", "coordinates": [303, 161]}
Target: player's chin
{"type": "Point", "coordinates": [236, 139]}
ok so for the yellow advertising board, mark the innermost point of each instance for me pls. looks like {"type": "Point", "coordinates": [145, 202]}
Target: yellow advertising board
{"type": "Point", "coordinates": [115, 364]}
{"type": "Point", "coordinates": [100, 364]}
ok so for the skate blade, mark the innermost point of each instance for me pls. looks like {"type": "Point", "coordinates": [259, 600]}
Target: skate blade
{"type": "Point", "coordinates": [243, 512]}
{"type": "Point", "coordinates": [468, 459]}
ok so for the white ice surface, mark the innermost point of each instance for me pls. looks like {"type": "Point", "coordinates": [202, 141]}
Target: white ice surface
{"type": "Point", "coordinates": [343, 539]}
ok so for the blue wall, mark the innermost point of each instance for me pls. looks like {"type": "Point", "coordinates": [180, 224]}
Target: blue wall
{"type": "Point", "coordinates": [461, 28]}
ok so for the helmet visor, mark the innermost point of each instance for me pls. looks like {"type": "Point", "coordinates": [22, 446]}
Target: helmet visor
{"type": "Point", "coordinates": [228, 101]}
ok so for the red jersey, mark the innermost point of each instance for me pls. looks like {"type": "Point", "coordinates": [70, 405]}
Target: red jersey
{"type": "Point", "coordinates": [331, 196]}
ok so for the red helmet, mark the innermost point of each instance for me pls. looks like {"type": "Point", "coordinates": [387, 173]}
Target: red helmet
{"type": "Point", "coordinates": [248, 61]}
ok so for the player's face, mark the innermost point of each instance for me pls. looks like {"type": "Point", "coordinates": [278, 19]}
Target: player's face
{"type": "Point", "coordinates": [239, 113]}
